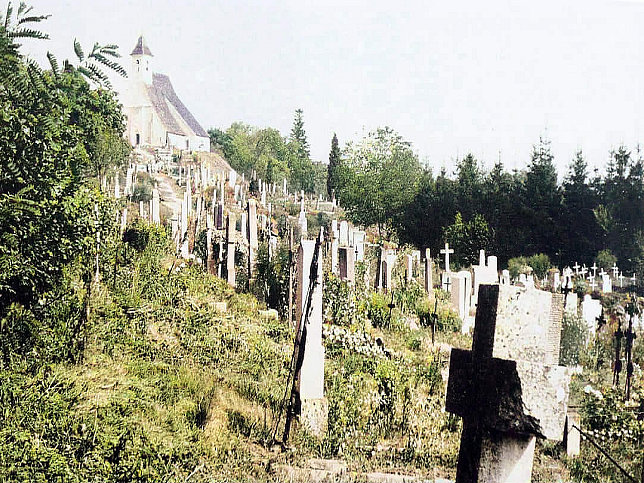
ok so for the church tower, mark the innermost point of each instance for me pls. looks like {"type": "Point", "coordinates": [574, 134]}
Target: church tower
{"type": "Point", "coordinates": [141, 62]}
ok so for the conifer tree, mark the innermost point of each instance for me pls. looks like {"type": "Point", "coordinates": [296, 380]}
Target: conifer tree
{"type": "Point", "coordinates": [334, 162]}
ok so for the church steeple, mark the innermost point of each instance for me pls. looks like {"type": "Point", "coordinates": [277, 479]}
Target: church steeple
{"type": "Point", "coordinates": [142, 61]}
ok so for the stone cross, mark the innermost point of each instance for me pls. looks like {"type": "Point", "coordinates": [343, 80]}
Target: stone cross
{"type": "Point", "coordinates": [511, 373]}
{"type": "Point", "coordinates": [446, 251]}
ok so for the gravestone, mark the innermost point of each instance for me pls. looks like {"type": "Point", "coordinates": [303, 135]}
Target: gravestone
{"type": "Point", "coordinates": [484, 273]}
{"type": "Point", "coordinates": [460, 295]}
{"type": "Point", "coordinates": [344, 233]}
{"type": "Point", "coordinates": [447, 251]}
{"type": "Point", "coordinates": [429, 287]}
{"type": "Point", "coordinates": [242, 227]}
{"type": "Point", "coordinates": [409, 268]}
{"type": "Point", "coordinates": [230, 250]}
{"type": "Point", "coordinates": [512, 375]}
{"type": "Point", "coordinates": [302, 224]}
{"type": "Point", "coordinates": [359, 240]}
{"type": "Point", "coordinates": [607, 283]}
{"type": "Point", "coordinates": [347, 264]}
{"type": "Point", "coordinates": [505, 277]}
{"type": "Point", "coordinates": [334, 252]}
{"type": "Point", "coordinates": [156, 216]}
{"type": "Point", "coordinates": [572, 436]}
{"type": "Point", "coordinates": [591, 310]}
{"type": "Point", "coordinates": [314, 406]}
{"type": "Point", "coordinates": [210, 262]}
{"type": "Point", "coordinates": [252, 237]}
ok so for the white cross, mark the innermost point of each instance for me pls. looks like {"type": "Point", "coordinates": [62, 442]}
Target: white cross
{"type": "Point", "coordinates": [621, 279]}
{"type": "Point", "coordinates": [446, 251]}
{"type": "Point", "coordinates": [633, 279]}
{"type": "Point", "coordinates": [592, 283]}
{"type": "Point", "coordinates": [583, 272]}
{"type": "Point", "coordinates": [602, 273]}
{"type": "Point", "coordinates": [615, 270]}
{"type": "Point", "coordinates": [576, 267]}
{"type": "Point", "coordinates": [594, 267]}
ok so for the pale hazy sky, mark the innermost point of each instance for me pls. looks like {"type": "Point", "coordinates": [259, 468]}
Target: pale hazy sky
{"type": "Point", "coordinates": [451, 77]}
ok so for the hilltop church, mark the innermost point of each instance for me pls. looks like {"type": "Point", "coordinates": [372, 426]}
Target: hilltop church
{"type": "Point", "coordinates": [155, 115]}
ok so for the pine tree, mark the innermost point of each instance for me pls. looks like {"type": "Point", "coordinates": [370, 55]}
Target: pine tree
{"type": "Point", "coordinates": [334, 163]}
{"type": "Point", "coordinates": [298, 135]}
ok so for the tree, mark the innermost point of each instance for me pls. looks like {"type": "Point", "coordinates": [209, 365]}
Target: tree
{"type": "Point", "coordinates": [379, 178]}
{"type": "Point", "coordinates": [334, 162]}
{"type": "Point", "coordinates": [468, 238]}
{"type": "Point", "coordinates": [298, 135]}
{"type": "Point", "coordinates": [542, 202]}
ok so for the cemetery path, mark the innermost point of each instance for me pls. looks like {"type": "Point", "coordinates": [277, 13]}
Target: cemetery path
{"type": "Point", "coordinates": [168, 192]}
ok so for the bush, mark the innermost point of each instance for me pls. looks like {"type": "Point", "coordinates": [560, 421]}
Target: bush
{"type": "Point", "coordinates": [540, 264]}
{"type": "Point", "coordinates": [605, 259]}
{"type": "Point", "coordinates": [517, 266]}
{"type": "Point", "coordinates": [574, 337]}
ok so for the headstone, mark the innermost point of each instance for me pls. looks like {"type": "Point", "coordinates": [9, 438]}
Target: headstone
{"type": "Point", "coordinates": [461, 293]}
{"type": "Point", "coordinates": [242, 227]}
{"type": "Point", "coordinates": [591, 310]}
{"type": "Point", "coordinates": [505, 277]}
{"type": "Point", "coordinates": [571, 303]}
{"type": "Point", "coordinates": [252, 236]}
{"type": "Point", "coordinates": [358, 241]}
{"type": "Point", "coordinates": [409, 268]}
{"type": "Point", "coordinates": [230, 249]}
{"type": "Point", "coordinates": [607, 283]}
{"type": "Point", "coordinates": [334, 252]}
{"type": "Point", "coordinates": [314, 407]}
{"type": "Point", "coordinates": [344, 233]}
{"type": "Point", "coordinates": [347, 264]}
{"type": "Point", "coordinates": [512, 375]}
{"type": "Point", "coordinates": [156, 216]}
{"type": "Point", "coordinates": [572, 436]}
{"type": "Point", "coordinates": [302, 224]}
{"type": "Point", "coordinates": [484, 273]}
{"type": "Point", "coordinates": [429, 286]}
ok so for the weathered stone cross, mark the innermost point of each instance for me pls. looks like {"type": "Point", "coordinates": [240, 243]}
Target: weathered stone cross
{"type": "Point", "coordinates": [508, 388]}
{"type": "Point", "coordinates": [446, 251]}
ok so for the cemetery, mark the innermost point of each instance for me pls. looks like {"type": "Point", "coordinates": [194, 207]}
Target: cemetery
{"type": "Point", "coordinates": [183, 316]}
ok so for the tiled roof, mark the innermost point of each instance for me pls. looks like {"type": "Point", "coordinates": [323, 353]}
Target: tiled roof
{"type": "Point", "coordinates": [141, 47]}
{"type": "Point", "coordinates": [161, 92]}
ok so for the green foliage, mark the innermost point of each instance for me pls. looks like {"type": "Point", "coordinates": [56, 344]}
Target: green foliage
{"type": "Point", "coordinates": [468, 238]}
{"type": "Point", "coordinates": [340, 302]}
{"type": "Point", "coordinates": [334, 163]}
{"type": "Point", "coordinates": [378, 178]}
{"type": "Point", "coordinates": [605, 259]}
{"type": "Point", "coordinates": [540, 264]}
{"type": "Point", "coordinates": [271, 283]}
{"type": "Point", "coordinates": [517, 266]}
{"type": "Point", "coordinates": [574, 337]}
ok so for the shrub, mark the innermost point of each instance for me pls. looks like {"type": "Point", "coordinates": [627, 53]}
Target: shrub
{"type": "Point", "coordinates": [540, 264]}
{"type": "Point", "coordinates": [605, 259]}
{"type": "Point", "coordinates": [574, 337]}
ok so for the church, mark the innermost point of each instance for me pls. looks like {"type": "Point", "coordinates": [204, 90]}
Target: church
{"type": "Point", "coordinates": [155, 115]}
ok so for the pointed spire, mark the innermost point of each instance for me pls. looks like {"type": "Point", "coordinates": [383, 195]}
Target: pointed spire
{"type": "Point", "coordinates": [141, 47]}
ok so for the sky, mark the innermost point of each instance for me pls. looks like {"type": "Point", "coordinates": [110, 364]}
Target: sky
{"type": "Point", "coordinates": [454, 77]}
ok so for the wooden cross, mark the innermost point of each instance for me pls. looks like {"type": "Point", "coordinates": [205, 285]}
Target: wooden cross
{"type": "Point", "coordinates": [446, 251]}
{"type": "Point", "coordinates": [633, 279]}
{"type": "Point", "coordinates": [576, 267]}
{"type": "Point", "coordinates": [615, 270]}
{"type": "Point", "coordinates": [621, 279]}
{"type": "Point", "coordinates": [447, 283]}
{"type": "Point", "coordinates": [594, 267]}
{"type": "Point", "coordinates": [583, 272]}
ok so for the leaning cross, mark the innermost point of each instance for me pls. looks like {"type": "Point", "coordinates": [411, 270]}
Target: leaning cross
{"type": "Point", "coordinates": [446, 251]}
{"type": "Point", "coordinates": [520, 394]}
